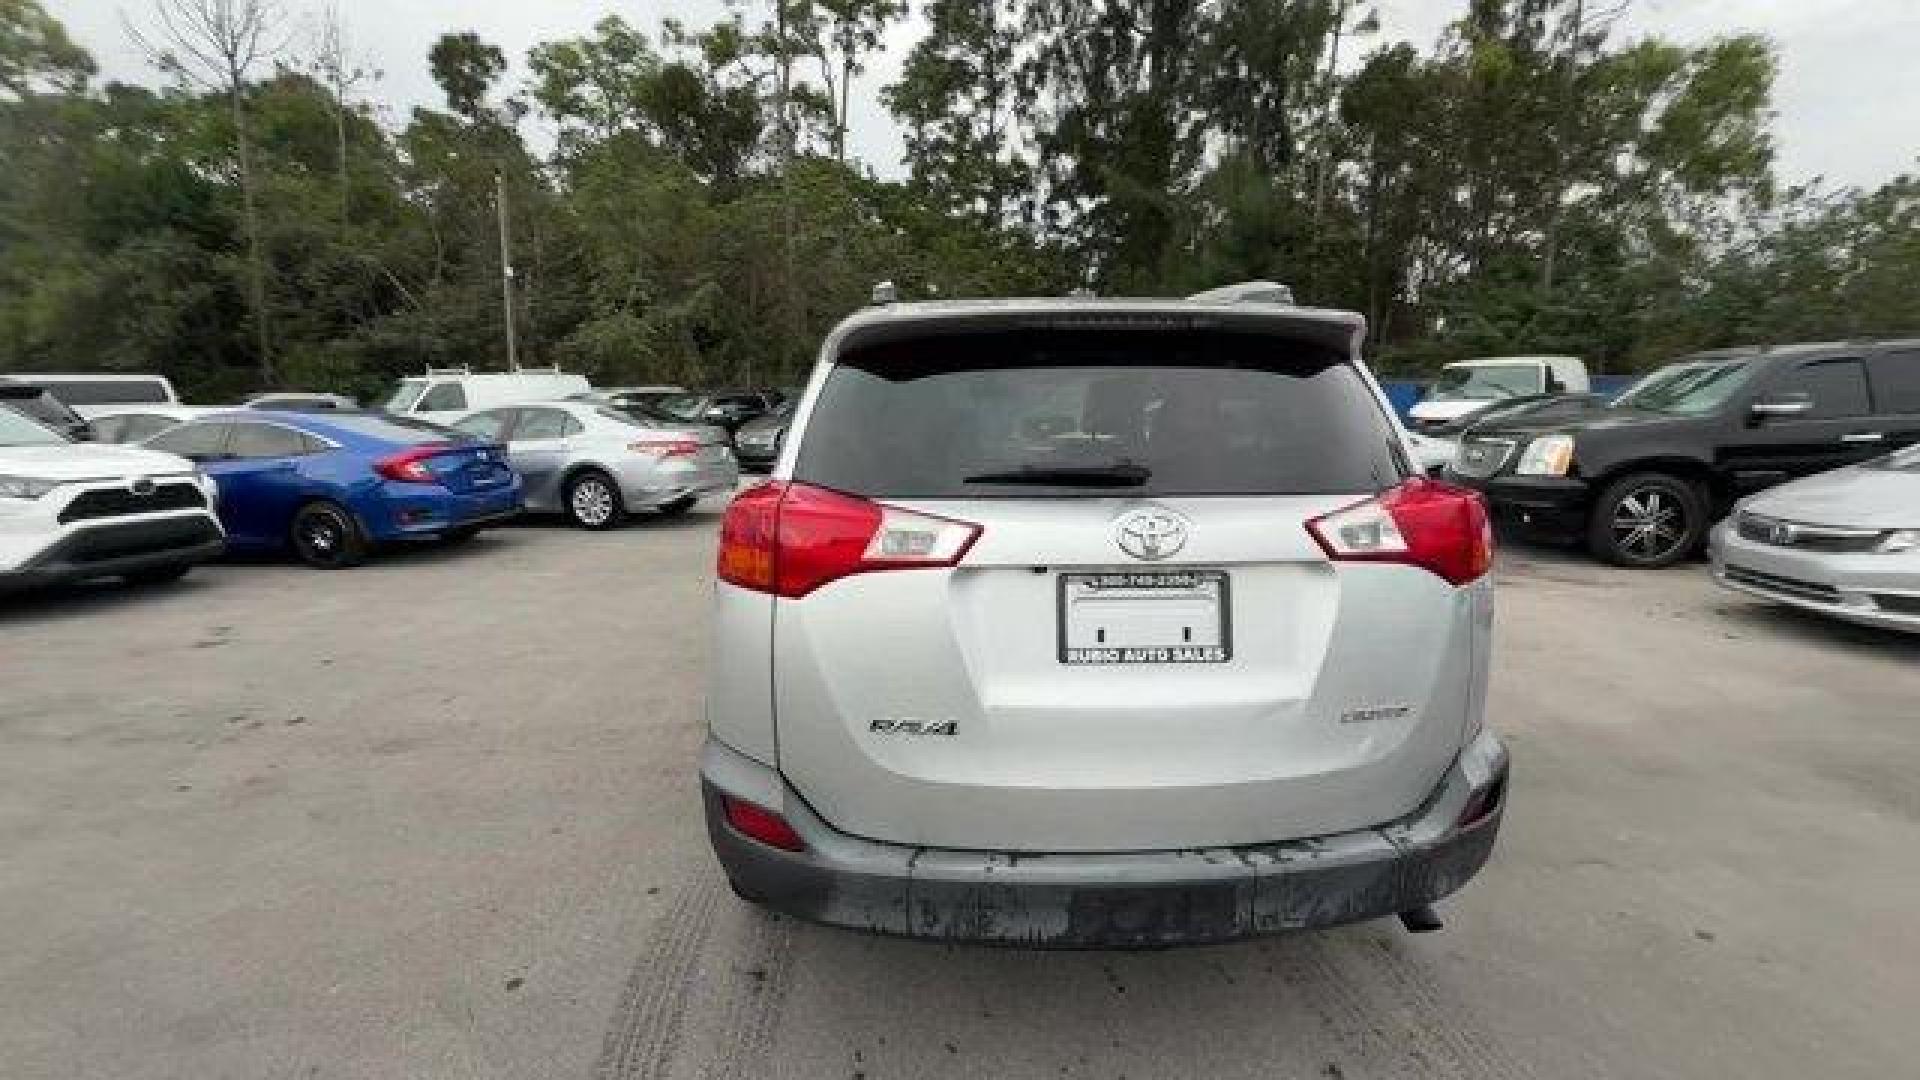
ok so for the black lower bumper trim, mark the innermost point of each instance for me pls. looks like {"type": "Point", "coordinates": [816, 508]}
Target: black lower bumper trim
{"type": "Point", "coordinates": [1125, 900]}
{"type": "Point", "coordinates": [127, 547]}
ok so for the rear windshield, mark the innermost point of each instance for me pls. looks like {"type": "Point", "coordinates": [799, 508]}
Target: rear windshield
{"type": "Point", "coordinates": [398, 429]}
{"type": "Point", "coordinates": [1076, 414]}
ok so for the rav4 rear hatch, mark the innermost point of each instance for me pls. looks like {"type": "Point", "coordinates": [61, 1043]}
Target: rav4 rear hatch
{"type": "Point", "coordinates": [1057, 588]}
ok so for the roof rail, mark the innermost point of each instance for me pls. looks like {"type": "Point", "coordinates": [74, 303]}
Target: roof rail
{"type": "Point", "coordinates": [1246, 292]}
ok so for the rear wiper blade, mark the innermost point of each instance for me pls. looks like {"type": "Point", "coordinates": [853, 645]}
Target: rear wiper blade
{"type": "Point", "coordinates": [1119, 474]}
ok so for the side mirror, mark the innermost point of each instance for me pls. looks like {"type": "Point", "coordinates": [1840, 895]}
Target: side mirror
{"type": "Point", "coordinates": [1781, 406]}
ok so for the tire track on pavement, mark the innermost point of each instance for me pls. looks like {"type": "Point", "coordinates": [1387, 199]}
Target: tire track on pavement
{"type": "Point", "coordinates": [645, 1032]}
{"type": "Point", "coordinates": [755, 998]}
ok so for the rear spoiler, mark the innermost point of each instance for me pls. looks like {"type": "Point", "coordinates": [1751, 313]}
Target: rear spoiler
{"type": "Point", "coordinates": [1246, 292]}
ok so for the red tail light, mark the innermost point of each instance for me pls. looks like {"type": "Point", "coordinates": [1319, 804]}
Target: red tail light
{"type": "Point", "coordinates": [1421, 523]}
{"type": "Point", "coordinates": [762, 824]}
{"type": "Point", "coordinates": [790, 539]}
{"type": "Point", "coordinates": [666, 448]}
{"type": "Point", "coordinates": [410, 466]}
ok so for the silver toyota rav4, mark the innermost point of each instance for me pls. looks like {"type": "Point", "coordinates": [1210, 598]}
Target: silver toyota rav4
{"type": "Point", "coordinates": [1100, 623]}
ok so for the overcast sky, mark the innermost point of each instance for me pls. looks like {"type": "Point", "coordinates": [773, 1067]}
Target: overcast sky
{"type": "Point", "coordinates": [1848, 94]}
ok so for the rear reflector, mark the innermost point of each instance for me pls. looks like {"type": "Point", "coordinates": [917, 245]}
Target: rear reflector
{"type": "Point", "coordinates": [790, 539]}
{"type": "Point", "coordinates": [762, 824]}
{"type": "Point", "coordinates": [1424, 523]}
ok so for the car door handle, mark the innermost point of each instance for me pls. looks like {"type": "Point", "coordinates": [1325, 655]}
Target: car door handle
{"type": "Point", "coordinates": [1864, 437]}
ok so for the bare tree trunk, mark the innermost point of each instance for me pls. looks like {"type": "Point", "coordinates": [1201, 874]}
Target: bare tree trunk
{"type": "Point", "coordinates": [846, 95]}
{"type": "Point", "coordinates": [256, 260]}
{"type": "Point", "coordinates": [1324, 154]}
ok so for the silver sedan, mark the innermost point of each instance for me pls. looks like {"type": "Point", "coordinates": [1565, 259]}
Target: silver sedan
{"type": "Point", "coordinates": [1844, 543]}
{"type": "Point", "coordinates": [596, 463]}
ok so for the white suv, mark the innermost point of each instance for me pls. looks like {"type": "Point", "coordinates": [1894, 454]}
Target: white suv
{"type": "Point", "coordinates": [1100, 623]}
{"type": "Point", "coordinates": [70, 511]}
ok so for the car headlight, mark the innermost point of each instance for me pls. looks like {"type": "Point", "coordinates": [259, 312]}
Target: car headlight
{"type": "Point", "coordinates": [1900, 540]}
{"type": "Point", "coordinates": [25, 487]}
{"type": "Point", "coordinates": [1549, 455]}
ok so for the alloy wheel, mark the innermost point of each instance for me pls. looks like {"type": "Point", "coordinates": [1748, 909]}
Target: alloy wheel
{"type": "Point", "coordinates": [592, 501]}
{"type": "Point", "coordinates": [1649, 524]}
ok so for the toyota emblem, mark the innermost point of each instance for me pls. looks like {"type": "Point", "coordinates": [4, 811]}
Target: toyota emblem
{"type": "Point", "coordinates": [1152, 534]}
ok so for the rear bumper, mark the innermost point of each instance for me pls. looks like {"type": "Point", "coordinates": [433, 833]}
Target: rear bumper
{"type": "Point", "coordinates": [674, 479]}
{"type": "Point", "coordinates": [124, 547]}
{"type": "Point", "coordinates": [1099, 900]}
{"type": "Point", "coordinates": [429, 509]}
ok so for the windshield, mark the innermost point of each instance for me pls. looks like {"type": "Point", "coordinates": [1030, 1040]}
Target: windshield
{"type": "Point", "coordinates": [682, 406]}
{"type": "Point", "coordinates": [1687, 389]}
{"type": "Point", "coordinates": [405, 395]}
{"type": "Point", "coordinates": [17, 430]}
{"type": "Point", "coordinates": [1486, 382]}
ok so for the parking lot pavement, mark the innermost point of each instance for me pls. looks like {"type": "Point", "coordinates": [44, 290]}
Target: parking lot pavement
{"type": "Point", "coordinates": [437, 817]}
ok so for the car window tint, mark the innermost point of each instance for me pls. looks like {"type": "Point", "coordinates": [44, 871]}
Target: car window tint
{"type": "Point", "coordinates": [1896, 381]}
{"type": "Point", "coordinates": [192, 440]}
{"type": "Point", "coordinates": [1838, 388]}
{"type": "Point", "coordinates": [486, 425]}
{"type": "Point", "coordinates": [1203, 413]}
{"type": "Point", "coordinates": [542, 424]}
{"type": "Point", "coordinates": [266, 441]}
{"type": "Point", "coordinates": [109, 391]}
{"type": "Point", "coordinates": [444, 397]}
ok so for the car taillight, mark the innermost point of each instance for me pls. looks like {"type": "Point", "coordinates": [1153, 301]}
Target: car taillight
{"type": "Point", "coordinates": [666, 448]}
{"type": "Point", "coordinates": [762, 824]}
{"type": "Point", "coordinates": [790, 539]}
{"type": "Point", "coordinates": [410, 466]}
{"type": "Point", "coordinates": [1423, 523]}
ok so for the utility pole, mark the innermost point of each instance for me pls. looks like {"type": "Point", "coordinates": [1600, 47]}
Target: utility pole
{"type": "Point", "coordinates": [506, 268]}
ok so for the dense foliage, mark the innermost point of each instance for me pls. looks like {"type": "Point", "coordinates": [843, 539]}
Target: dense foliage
{"type": "Point", "coordinates": [688, 210]}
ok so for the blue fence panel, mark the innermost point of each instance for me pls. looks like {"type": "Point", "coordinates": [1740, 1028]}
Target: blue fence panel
{"type": "Point", "coordinates": [1403, 393]}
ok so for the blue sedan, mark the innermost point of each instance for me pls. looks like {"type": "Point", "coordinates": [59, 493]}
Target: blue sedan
{"type": "Point", "coordinates": [331, 486]}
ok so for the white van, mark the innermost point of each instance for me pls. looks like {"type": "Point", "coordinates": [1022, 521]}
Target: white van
{"type": "Point", "coordinates": [444, 395]}
{"type": "Point", "coordinates": [89, 392]}
{"type": "Point", "coordinates": [1474, 384]}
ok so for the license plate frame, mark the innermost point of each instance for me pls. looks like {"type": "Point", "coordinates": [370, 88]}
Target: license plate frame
{"type": "Point", "coordinates": [1141, 583]}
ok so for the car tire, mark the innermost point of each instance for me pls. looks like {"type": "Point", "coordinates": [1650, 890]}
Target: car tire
{"type": "Point", "coordinates": [1646, 521]}
{"type": "Point", "coordinates": [159, 575]}
{"type": "Point", "coordinates": [678, 506]}
{"type": "Point", "coordinates": [593, 501]}
{"type": "Point", "coordinates": [325, 536]}
{"type": "Point", "coordinates": [460, 535]}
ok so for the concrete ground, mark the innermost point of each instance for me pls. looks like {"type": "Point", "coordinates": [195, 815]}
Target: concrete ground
{"type": "Point", "coordinates": [437, 817]}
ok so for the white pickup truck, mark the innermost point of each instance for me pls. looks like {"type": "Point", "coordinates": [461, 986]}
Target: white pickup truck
{"type": "Point", "coordinates": [1468, 385]}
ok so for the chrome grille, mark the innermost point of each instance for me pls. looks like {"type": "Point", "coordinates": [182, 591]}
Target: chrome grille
{"type": "Point", "coordinates": [1482, 457]}
{"type": "Point", "coordinates": [1777, 532]}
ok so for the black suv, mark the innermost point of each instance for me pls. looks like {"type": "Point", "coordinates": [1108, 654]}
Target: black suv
{"type": "Point", "coordinates": [1643, 479]}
